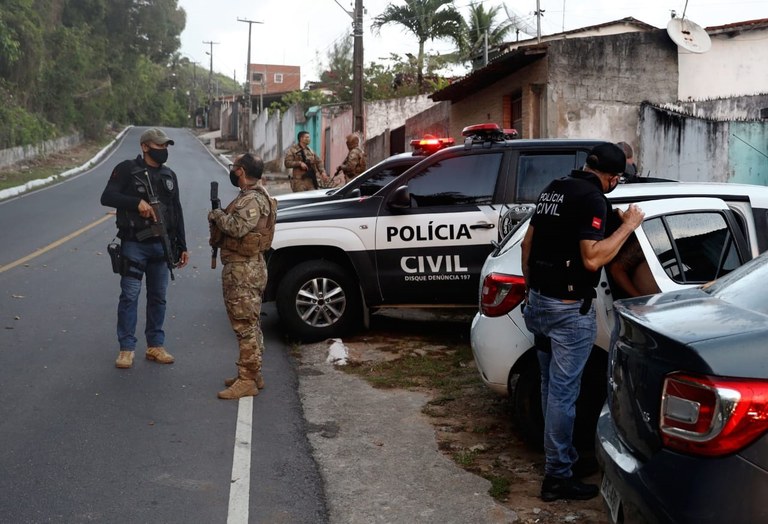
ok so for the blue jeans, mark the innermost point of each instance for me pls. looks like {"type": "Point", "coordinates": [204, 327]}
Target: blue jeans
{"type": "Point", "coordinates": [150, 255]}
{"type": "Point", "coordinates": [572, 336]}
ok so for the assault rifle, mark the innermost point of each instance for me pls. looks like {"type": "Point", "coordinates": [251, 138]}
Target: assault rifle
{"type": "Point", "coordinates": [157, 229]}
{"type": "Point", "coordinates": [215, 204]}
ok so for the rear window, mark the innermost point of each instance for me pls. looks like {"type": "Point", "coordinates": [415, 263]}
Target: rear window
{"type": "Point", "coordinates": [693, 248]}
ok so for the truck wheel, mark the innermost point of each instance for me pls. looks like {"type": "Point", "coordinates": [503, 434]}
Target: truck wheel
{"type": "Point", "coordinates": [317, 299]}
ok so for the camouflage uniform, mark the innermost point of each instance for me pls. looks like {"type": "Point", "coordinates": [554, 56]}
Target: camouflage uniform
{"type": "Point", "coordinates": [242, 231]}
{"type": "Point", "coordinates": [354, 164]}
{"type": "Point", "coordinates": [293, 160]}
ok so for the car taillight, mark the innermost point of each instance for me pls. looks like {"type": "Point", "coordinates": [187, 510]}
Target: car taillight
{"type": "Point", "coordinates": [501, 293]}
{"type": "Point", "coordinates": [712, 416]}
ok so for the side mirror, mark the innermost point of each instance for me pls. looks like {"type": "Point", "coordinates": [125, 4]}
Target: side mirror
{"type": "Point", "coordinates": [400, 198]}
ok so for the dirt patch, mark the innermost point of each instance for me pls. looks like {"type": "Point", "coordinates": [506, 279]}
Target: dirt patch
{"type": "Point", "coordinates": [472, 425]}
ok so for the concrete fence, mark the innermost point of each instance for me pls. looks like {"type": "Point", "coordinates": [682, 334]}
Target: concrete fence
{"type": "Point", "coordinates": [18, 154]}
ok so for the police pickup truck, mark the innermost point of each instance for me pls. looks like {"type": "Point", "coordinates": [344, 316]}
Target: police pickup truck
{"type": "Point", "coordinates": [373, 179]}
{"type": "Point", "coordinates": [419, 242]}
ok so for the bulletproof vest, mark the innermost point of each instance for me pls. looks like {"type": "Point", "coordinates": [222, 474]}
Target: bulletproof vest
{"type": "Point", "coordinates": [130, 222]}
{"type": "Point", "coordinates": [556, 268]}
{"type": "Point", "coordinates": [257, 241]}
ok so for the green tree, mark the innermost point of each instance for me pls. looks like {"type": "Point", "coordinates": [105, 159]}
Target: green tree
{"type": "Point", "coordinates": [339, 74]}
{"type": "Point", "coordinates": [427, 20]}
{"type": "Point", "coordinates": [479, 23]}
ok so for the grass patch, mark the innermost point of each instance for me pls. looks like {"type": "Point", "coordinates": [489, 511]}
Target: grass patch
{"type": "Point", "coordinates": [499, 487]}
{"type": "Point", "coordinates": [446, 372]}
{"type": "Point", "coordinates": [465, 458]}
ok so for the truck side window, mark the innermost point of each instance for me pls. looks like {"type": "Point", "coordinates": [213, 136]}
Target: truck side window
{"type": "Point", "coordinates": [535, 171]}
{"type": "Point", "coordinates": [381, 179]}
{"type": "Point", "coordinates": [461, 180]}
{"type": "Point", "coordinates": [693, 247]}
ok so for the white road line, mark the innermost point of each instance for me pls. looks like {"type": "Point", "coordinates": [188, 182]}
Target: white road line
{"type": "Point", "coordinates": [55, 244]}
{"type": "Point", "coordinates": [240, 484]}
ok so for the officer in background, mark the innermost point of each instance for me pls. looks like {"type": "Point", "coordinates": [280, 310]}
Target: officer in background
{"type": "Point", "coordinates": [130, 189]}
{"type": "Point", "coordinates": [355, 163]}
{"type": "Point", "coordinates": [563, 252]}
{"type": "Point", "coordinates": [306, 166]}
{"type": "Point", "coordinates": [243, 231]}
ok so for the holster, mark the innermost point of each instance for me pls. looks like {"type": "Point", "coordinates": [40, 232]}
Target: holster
{"type": "Point", "coordinates": [113, 248]}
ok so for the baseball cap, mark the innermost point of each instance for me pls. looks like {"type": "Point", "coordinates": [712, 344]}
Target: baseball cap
{"type": "Point", "coordinates": [156, 136]}
{"type": "Point", "coordinates": [608, 158]}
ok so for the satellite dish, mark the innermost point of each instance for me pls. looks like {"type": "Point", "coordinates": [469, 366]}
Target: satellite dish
{"type": "Point", "coordinates": [688, 35]}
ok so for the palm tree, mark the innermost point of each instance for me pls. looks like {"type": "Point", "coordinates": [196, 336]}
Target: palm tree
{"type": "Point", "coordinates": [427, 20]}
{"type": "Point", "coordinates": [478, 23]}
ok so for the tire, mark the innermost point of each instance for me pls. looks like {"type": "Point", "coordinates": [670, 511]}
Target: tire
{"type": "Point", "coordinates": [526, 402]}
{"type": "Point", "coordinates": [317, 300]}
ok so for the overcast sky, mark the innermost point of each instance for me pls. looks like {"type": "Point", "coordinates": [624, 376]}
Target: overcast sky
{"type": "Point", "coordinates": [301, 32]}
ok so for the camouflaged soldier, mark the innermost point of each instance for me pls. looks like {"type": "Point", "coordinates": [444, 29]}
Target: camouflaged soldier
{"type": "Point", "coordinates": [243, 232]}
{"type": "Point", "coordinates": [306, 166]}
{"type": "Point", "coordinates": [355, 163]}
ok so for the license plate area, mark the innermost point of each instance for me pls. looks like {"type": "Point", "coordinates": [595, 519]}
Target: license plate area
{"type": "Point", "coordinates": [611, 497]}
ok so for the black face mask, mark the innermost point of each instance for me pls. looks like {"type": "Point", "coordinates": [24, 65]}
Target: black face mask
{"type": "Point", "coordinates": [158, 155]}
{"type": "Point", "coordinates": [233, 178]}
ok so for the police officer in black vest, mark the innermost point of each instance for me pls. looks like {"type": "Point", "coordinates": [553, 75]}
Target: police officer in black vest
{"type": "Point", "coordinates": [130, 189]}
{"type": "Point", "coordinates": [563, 252]}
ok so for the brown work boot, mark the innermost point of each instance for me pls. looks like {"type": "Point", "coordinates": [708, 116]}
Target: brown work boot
{"type": "Point", "coordinates": [259, 381]}
{"type": "Point", "coordinates": [159, 355]}
{"type": "Point", "coordinates": [124, 359]}
{"type": "Point", "coordinates": [241, 388]}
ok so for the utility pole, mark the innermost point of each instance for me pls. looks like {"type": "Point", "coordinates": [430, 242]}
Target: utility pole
{"type": "Point", "coordinates": [539, 13]}
{"type": "Point", "coordinates": [210, 83]}
{"type": "Point", "coordinates": [357, 66]}
{"type": "Point", "coordinates": [357, 71]}
{"type": "Point", "coordinates": [247, 134]}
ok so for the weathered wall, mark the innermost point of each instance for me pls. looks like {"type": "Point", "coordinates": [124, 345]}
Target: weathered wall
{"type": "Point", "coordinates": [684, 147]}
{"type": "Point", "coordinates": [18, 154]}
{"type": "Point", "coordinates": [595, 85]}
{"type": "Point", "coordinates": [735, 108]}
{"type": "Point", "coordinates": [435, 121]}
{"type": "Point", "coordinates": [734, 66]}
{"type": "Point", "coordinates": [389, 114]}
{"type": "Point", "coordinates": [487, 105]}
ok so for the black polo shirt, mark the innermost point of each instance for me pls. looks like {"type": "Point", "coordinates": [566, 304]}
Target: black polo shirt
{"type": "Point", "coordinates": [569, 210]}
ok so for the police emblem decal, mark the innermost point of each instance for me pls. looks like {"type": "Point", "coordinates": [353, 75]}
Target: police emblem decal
{"type": "Point", "coordinates": [168, 184]}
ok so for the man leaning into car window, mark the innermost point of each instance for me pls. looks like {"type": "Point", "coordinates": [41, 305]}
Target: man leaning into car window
{"type": "Point", "coordinates": [563, 252]}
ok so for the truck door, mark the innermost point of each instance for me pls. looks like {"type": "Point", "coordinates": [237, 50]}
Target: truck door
{"type": "Point", "coordinates": [430, 248]}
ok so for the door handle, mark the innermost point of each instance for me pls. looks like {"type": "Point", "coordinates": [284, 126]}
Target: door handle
{"type": "Point", "coordinates": [482, 226]}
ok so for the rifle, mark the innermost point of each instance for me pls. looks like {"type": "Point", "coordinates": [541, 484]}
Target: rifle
{"type": "Point", "coordinates": [158, 228]}
{"type": "Point", "coordinates": [215, 204]}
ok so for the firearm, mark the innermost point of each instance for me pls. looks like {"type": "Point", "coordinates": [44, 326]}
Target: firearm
{"type": "Point", "coordinates": [215, 204]}
{"type": "Point", "coordinates": [158, 228]}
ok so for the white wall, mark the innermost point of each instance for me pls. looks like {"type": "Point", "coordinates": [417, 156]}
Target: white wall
{"type": "Point", "coordinates": [734, 66]}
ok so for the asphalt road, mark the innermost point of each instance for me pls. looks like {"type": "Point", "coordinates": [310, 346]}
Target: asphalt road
{"type": "Point", "coordinates": [81, 441]}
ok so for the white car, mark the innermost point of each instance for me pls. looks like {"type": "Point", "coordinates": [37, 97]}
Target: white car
{"type": "Point", "coordinates": [692, 233]}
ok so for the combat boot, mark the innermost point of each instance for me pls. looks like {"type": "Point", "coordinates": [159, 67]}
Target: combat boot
{"type": "Point", "coordinates": [241, 388]}
{"type": "Point", "coordinates": [159, 355]}
{"type": "Point", "coordinates": [124, 359]}
{"type": "Point", "coordinates": [259, 381]}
